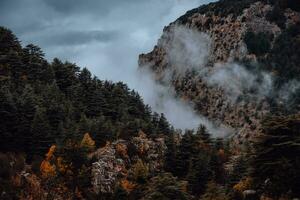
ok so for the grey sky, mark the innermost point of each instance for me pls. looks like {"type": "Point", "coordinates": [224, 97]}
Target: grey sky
{"type": "Point", "coordinates": [106, 36]}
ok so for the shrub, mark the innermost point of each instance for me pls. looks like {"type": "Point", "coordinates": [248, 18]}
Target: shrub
{"type": "Point", "coordinates": [276, 15]}
{"type": "Point", "coordinates": [258, 44]}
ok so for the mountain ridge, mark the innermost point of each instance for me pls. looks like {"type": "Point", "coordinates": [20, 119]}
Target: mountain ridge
{"type": "Point", "coordinates": [249, 36]}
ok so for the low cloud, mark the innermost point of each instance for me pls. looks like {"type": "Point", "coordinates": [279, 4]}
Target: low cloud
{"type": "Point", "coordinates": [287, 93]}
{"type": "Point", "coordinates": [237, 81]}
{"type": "Point", "coordinates": [187, 49]}
{"type": "Point", "coordinates": [107, 37]}
{"type": "Point", "coordinates": [180, 114]}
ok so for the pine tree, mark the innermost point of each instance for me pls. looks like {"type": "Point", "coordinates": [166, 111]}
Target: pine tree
{"type": "Point", "coordinates": [10, 63]}
{"type": "Point", "coordinates": [37, 67]}
{"type": "Point", "coordinates": [163, 125]}
{"type": "Point", "coordinates": [40, 130]}
{"type": "Point", "coordinates": [65, 75]}
{"type": "Point", "coordinates": [8, 117]}
{"type": "Point", "coordinates": [276, 156]}
{"type": "Point", "coordinates": [199, 173]}
{"type": "Point", "coordinates": [26, 105]}
{"type": "Point", "coordinates": [184, 154]}
{"type": "Point", "coordinates": [170, 155]}
{"type": "Point", "coordinates": [203, 134]}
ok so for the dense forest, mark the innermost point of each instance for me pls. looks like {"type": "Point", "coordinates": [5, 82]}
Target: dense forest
{"type": "Point", "coordinates": [56, 117]}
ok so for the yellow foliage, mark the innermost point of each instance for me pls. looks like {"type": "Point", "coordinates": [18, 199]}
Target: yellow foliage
{"type": "Point", "coordinates": [88, 142]}
{"type": "Point", "coordinates": [127, 185]}
{"type": "Point", "coordinates": [244, 184]}
{"type": "Point", "coordinates": [47, 170]}
{"type": "Point", "coordinates": [184, 186]}
{"type": "Point", "coordinates": [140, 170]}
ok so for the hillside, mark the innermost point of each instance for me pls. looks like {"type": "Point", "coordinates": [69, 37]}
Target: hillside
{"type": "Point", "coordinates": [236, 61]}
{"type": "Point", "coordinates": [66, 134]}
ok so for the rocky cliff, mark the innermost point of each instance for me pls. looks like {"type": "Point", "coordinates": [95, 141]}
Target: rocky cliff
{"type": "Point", "coordinates": [235, 75]}
{"type": "Point", "coordinates": [117, 162]}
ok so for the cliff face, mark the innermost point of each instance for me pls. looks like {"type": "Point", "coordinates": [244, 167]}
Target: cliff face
{"type": "Point", "coordinates": [220, 85]}
{"type": "Point", "coordinates": [115, 162]}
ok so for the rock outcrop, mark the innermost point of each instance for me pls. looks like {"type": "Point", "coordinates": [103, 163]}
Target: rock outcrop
{"type": "Point", "coordinates": [115, 161]}
{"type": "Point", "coordinates": [227, 33]}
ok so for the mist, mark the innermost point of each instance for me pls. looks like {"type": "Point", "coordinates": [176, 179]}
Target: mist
{"type": "Point", "coordinates": [179, 113]}
{"type": "Point", "coordinates": [189, 49]}
{"type": "Point", "coordinates": [106, 37]}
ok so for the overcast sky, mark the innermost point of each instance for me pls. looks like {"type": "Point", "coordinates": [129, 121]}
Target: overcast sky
{"type": "Point", "coordinates": [104, 35]}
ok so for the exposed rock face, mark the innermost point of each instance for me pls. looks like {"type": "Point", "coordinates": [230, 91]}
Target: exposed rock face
{"type": "Point", "coordinates": [114, 161]}
{"type": "Point", "coordinates": [227, 35]}
{"type": "Point", "coordinates": [105, 170]}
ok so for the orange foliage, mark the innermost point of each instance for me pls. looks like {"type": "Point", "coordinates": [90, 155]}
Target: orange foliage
{"type": "Point", "coordinates": [88, 142]}
{"type": "Point", "coordinates": [62, 167]}
{"type": "Point", "coordinates": [47, 169]}
{"type": "Point", "coordinates": [244, 184]}
{"type": "Point", "coordinates": [50, 153]}
{"type": "Point", "coordinates": [127, 185]}
{"type": "Point", "coordinates": [222, 155]}
{"type": "Point", "coordinates": [122, 150]}
{"type": "Point", "coordinates": [184, 186]}
{"type": "Point", "coordinates": [78, 194]}
{"type": "Point", "coordinates": [32, 188]}
{"type": "Point", "coordinates": [16, 180]}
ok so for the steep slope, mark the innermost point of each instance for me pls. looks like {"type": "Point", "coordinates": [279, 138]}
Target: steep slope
{"type": "Point", "coordinates": [91, 129]}
{"type": "Point", "coordinates": [244, 66]}
{"type": "Point", "coordinates": [42, 103]}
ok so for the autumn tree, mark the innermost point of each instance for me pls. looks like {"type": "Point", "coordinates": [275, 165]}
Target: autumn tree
{"type": "Point", "coordinates": [87, 142]}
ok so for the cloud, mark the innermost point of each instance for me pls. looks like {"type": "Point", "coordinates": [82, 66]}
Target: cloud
{"type": "Point", "coordinates": [189, 49]}
{"type": "Point", "coordinates": [288, 92]}
{"type": "Point", "coordinates": [104, 36]}
{"type": "Point", "coordinates": [78, 6]}
{"type": "Point", "coordinates": [180, 114]}
{"type": "Point", "coordinates": [73, 38]}
{"type": "Point", "coordinates": [238, 81]}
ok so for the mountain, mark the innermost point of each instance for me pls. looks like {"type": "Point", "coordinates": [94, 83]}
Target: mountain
{"type": "Point", "coordinates": [236, 61]}
{"type": "Point", "coordinates": [65, 134]}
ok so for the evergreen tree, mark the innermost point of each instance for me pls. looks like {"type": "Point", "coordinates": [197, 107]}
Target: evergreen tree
{"type": "Point", "coordinates": [276, 158]}
{"type": "Point", "coordinates": [170, 156]}
{"type": "Point", "coordinates": [40, 130]}
{"type": "Point", "coordinates": [163, 125]}
{"type": "Point", "coordinates": [26, 105]}
{"type": "Point", "coordinates": [184, 154]}
{"type": "Point", "coordinates": [199, 173]}
{"type": "Point", "coordinates": [8, 117]}
{"type": "Point", "coordinates": [37, 66]}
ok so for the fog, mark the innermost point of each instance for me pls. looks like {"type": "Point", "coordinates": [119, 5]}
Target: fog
{"type": "Point", "coordinates": [106, 37]}
{"type": "Point", "coordinates": [189, 49]}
